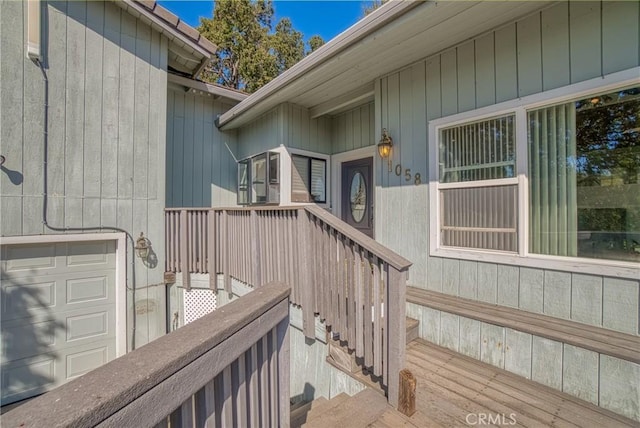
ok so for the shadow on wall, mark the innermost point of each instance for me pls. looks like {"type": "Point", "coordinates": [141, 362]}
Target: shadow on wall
{"type": "Point", "coordinates": [15, 177]}
{"type": "Point", "coordinates": [308, 394]}
{"type": "Point", "coordinates": [29, 329]}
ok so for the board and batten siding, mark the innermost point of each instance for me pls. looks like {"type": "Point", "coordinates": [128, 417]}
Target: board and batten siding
{"type": "Point", "coordinates": [305, 133]}
{"type": "Point", "coordinates": [106, 133]}
{"type": "Point", "coordinates": [264, 133]}
{"type": "Point", "coordinates": [353, 129]}
{"type": "Point", "coordinates": [288, 125]}
{"type": "Point", "coordinates": [201, 169]}
{"type": "Point", "coordinates": [560, 45]}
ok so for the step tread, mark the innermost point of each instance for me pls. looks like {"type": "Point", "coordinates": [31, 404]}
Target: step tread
{"type": "Point", "coordinates": [394, 419]}
{"type": "Point", "coordinates": [412, 322]}
{"type": "Point", "coordinates": [300, 414]}
{"type": "Point", "coordinates": [327, 405]}
{"type": "Point", "coordinates": [413, 329]}
{"type": "Point", "coordinates": [360, 410]}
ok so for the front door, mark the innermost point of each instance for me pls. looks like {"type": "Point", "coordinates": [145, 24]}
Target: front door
{"type": "Point", "coordinates": [357, 192]}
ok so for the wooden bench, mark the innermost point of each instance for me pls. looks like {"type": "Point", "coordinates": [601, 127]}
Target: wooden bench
{"type": "Point", "coordinates": [597, 339]}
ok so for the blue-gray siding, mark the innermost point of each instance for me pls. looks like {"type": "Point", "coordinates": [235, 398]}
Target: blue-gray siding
{"type": "Point", "coordinates": [353, 129]}
{"type": "Point", "coordinates": [107, 109]}
{"type": "Point", "coordinates": [287, 125]}
{"type": "Point", "coordinates": [201, 169]}
{"type": "Point", "coordinates": [561, 45]}
{"type": "Point", "coordinates": [600, 379]}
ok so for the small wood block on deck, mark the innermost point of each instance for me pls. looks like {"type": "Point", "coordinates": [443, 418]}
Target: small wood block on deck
{"type": "Point", "coordinates": [455, 390]}
{"type": "Point", "coordinates": [407, 400]}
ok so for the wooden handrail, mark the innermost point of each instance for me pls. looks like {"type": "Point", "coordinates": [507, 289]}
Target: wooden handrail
{"type": "Point", "coordinates": [353, 283]}
{"type": "Point", "coordinates": [384, 253]}
{"type": "Point", "coordinates": [249, 208]}
{"type": "Point", "coordinates": [173, 376]}
{"type": "Point", "coordinates": [371, 245]}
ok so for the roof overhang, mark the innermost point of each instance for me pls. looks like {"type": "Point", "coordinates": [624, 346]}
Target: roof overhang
{"type": "Point", "coordinates": [216, 90]}
{"type": "Point", "coordinates": [189, 51]}
{"type": "Point", "coordinates": [392, 37]}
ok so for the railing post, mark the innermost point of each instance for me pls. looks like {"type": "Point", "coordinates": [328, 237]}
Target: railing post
{"type": "Point", "coordinates": [211, 249]}
{"type": "Point", "coordinates": [255, 250]}
{"type": "Point", "coordinates": [396, 331]}
{"type": "Point", "coordinates": [284, 361]}
{"type": "Point", "coordinates": [225, 252]}
{"type": "Point", "coordinates": [305, 276]}
{"type": "Point", "coordinates": [184, 256]}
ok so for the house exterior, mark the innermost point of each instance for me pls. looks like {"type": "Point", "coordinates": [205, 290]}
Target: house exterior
{"type": "Point", "coordinates": [496, 188]}
{"type": "Point", "coordinates": [84, 146]}
{"type": "Point", "coordinates": [510, 185]}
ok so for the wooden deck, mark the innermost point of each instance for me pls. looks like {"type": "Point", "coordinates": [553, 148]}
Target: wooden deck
{"type": "Point", "coordinates": [457, 391]}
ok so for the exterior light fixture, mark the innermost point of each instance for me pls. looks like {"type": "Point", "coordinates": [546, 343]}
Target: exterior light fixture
{"type": "Point", "coordinates": [142, 247]}
{"type": "Point", "coordinates": [385, 147]}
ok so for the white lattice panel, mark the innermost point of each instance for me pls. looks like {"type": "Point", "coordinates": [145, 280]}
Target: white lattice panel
{"type": "Point", "coordinates": [197, 303]}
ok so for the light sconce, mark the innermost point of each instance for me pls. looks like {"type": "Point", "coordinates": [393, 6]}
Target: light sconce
{"type": "Point", "coordinates": [142, 247]}
{"type": "Point", "coordinates": [385, 147]}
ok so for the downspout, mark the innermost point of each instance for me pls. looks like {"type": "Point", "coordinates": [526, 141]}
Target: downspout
{"type": "Point", "coordinates": [45, 199]}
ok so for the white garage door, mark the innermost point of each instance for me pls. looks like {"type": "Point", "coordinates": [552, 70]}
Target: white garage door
{"type": "Point", "coordinates": [58, 314]}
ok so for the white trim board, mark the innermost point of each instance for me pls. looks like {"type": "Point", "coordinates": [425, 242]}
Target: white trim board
{"type": "Point", "coordinates": [121, 270]}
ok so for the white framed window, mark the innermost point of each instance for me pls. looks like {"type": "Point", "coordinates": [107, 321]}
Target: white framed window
{"type": "Point", "coordinates": [551, 177]}
{"type": "Point", "coordinates": [308, 179]}
{"type": "Point", "coordinates": [259, 179]}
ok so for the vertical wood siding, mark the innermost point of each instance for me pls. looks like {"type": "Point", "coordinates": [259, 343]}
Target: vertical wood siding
{"type": "Point", "coordinates": [353, 129]}
{"type": "Point", "coordinates": [305, 133]}
{"type": "Point", "coordinates": [107, 109]}
{"type": "Point", "coordinates": [201, 168]}
{"type": "Point", "coordinates": [288, 125]}
{"type": "Point", "coordinates": [561, 45]}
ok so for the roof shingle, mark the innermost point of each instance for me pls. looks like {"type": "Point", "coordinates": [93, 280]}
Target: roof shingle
{"type": "Point", "coordinates": [179, 25]}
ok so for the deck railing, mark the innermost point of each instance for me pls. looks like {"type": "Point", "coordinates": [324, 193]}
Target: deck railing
{"type": "Point", "coordinates": [355, 284]}
{"type": "Point", "coordinates": [229, 368]}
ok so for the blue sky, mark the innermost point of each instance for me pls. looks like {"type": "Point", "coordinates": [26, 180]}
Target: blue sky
{"type": "Point", "coordinates": [326, 18]}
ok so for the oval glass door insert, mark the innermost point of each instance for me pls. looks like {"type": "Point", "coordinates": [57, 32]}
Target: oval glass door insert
{"type": "Point", "coordinates": [358, 197]}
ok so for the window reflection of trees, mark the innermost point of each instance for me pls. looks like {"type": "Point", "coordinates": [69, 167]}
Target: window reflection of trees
{"type": "Point", "coordinates": [608, 168]}
{"type": "Point", "coordinates": [608, 135]}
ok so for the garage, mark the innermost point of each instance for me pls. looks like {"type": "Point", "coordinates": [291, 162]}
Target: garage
{"type": "Point", "coordinates": [60, 313]}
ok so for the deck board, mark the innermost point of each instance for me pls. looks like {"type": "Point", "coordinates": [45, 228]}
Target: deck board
{"type": "Point", "coordinates": [472, 386]}
{"type": "Point", "coordinates": [453, 390]}
{"type": "Point", "coordinates": [530, 390]}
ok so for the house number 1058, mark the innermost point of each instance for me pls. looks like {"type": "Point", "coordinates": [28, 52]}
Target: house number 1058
{"type": "Point", "coordinates": [407, 175]}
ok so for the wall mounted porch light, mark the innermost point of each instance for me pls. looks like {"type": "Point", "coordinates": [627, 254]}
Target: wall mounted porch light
{"type": "Point", "coordinates": [385, 147]}
{"type": "Point", "coordinates": [142, 247]}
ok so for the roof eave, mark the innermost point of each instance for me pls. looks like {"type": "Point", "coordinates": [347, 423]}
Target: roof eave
{"type": "Point", "coordinates": [366, 26]}
{"type": "Point", "coordinates": [170, 24]}
{"type": "Point", "coordinates": [217, 91]}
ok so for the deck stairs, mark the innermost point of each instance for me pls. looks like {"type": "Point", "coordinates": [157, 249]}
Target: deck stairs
{"type": "Point", "coordinates": [366, 408]}
{"type": "Point", "coordinates": [342, 358]}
